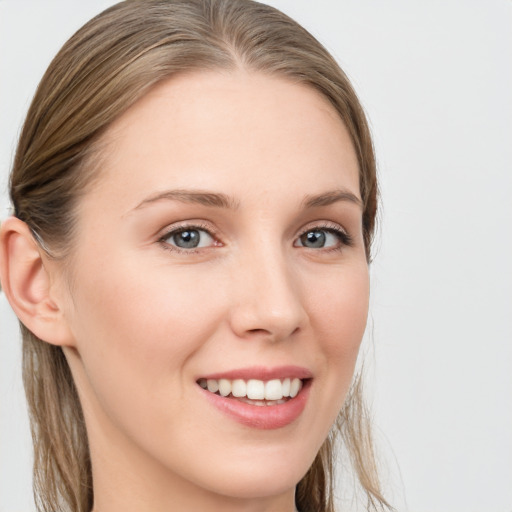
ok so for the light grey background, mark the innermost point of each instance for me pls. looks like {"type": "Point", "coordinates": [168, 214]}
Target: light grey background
{"type": "Point", "coordinates": [436, 79]}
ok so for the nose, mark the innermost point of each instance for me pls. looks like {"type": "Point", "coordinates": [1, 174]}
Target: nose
{"type": "Point", "coordinates": [268, 300]}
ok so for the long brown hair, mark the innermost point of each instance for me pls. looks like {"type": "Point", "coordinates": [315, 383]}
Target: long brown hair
{"type": "Point", "coordinates": [100, 72]}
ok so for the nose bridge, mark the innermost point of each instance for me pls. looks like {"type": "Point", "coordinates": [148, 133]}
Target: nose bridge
{"type": "Point", "coordinates": [268, 299]}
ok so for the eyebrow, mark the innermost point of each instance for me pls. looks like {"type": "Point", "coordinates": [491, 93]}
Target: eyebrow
{"type": "Point", "coordinates": [205, 198]}
{"type": "Point", "coordinates": [220, 200]}
{"type": "Point", "coordinates": [331, 197]}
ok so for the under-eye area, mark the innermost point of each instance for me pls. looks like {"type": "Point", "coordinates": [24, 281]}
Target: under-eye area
{"type": "Point", "coordinates": [254, 391]}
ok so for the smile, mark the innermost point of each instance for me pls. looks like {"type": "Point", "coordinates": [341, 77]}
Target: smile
{"type": "Point", "coordinates": [259, 397]}
{"type": "Point", "coordinates": [254, 391]}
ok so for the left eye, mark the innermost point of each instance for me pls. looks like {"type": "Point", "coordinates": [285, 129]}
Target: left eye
{"type": "Point", "coordinates": [189, 238]}
{"type": "Point", "coordinates": [318, 239]}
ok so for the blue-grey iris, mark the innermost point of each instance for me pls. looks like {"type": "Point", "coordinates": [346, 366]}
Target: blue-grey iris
{"type": "Point", "coordinates": [188, 239]}
{"type": "Point", "coordinates": [313, 239]}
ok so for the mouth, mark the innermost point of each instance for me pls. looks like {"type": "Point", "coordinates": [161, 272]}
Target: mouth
{"type": "Point", "coordinates": [257, 397]}
{"type": "Point", "coordinates": [254, 391]}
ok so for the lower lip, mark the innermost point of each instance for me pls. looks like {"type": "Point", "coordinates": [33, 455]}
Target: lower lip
{"type": "Point", "coordinates": [263, 417]}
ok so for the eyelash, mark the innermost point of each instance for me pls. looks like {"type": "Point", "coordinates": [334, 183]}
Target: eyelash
{"type": "Point", "coordinates": [344, 238]}
{"type": "Point", "coordinates": [179, 229]}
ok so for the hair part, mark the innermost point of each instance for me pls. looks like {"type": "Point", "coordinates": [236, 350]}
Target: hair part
{"type": "Point", "coordinates": [109, 64]}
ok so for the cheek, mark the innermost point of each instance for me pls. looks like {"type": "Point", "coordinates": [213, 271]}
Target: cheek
{"type": "Point", "coordinates": [339, 310]}
{"type": "Point", "coordinates": [339, 317]}
{"type": "Point", "coordinates": [142, 308]}
{"type": "Point", "coordinates": [135, 330]}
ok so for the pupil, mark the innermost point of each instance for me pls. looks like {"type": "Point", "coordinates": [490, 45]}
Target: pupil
{"type": "Point", "coordinates": [314, 239]}
{"type": "Point", "coordinates": [187, 239]}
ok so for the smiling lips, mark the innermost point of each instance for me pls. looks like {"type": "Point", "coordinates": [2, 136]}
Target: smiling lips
{"type": "Point", "coordinates": [247, 399]}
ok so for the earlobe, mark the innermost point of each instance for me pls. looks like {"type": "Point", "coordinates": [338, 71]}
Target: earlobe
{"type": "Point", "coordinates": [28, 285]}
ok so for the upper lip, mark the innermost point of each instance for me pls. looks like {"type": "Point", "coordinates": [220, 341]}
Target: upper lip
{"type": "Point", "coordinates": [262, 373]}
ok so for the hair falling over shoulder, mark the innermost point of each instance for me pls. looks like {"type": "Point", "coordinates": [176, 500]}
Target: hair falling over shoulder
{"type": "Point", "coordinates": [100, 72]}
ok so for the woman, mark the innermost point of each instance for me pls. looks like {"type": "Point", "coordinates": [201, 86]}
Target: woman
{"type": "Point", "coordinates": [194, 200]}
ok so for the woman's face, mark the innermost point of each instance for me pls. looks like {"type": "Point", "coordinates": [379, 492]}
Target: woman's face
{"type": "Point", "coordinates": [221, 244]}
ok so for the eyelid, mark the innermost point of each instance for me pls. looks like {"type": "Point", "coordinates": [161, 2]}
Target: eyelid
{"type": "Point", "coordinates": [346, 239]}
{"type": "Point", "coordinates": [178, 227]}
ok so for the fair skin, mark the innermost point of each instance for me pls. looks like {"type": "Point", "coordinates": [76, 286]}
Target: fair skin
{"type": "Point", "coordinates": [263, 175]}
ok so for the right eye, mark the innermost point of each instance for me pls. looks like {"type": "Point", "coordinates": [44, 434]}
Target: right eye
{"type": "Point", "coordinates": [189, 237]}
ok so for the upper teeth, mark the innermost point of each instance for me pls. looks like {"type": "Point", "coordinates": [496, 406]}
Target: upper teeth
{"type": "Point", "coordinates": [254, 389]}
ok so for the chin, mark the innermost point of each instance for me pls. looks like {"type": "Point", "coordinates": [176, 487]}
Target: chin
{"type": "Point", "coordinates": [256, 477]}
{"type": "Point", "coordinates": [249, 482]}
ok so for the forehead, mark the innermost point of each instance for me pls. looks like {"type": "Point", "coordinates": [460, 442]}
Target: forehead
{"type": "Point", "coordinates": [238, 131]}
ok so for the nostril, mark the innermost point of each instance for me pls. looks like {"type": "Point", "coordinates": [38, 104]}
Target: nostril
{"type": "Point", "coordinates": [258, 331]}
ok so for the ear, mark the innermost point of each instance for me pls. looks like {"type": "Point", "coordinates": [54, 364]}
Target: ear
{"type": "Point", "coordinates": [28, 285]}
